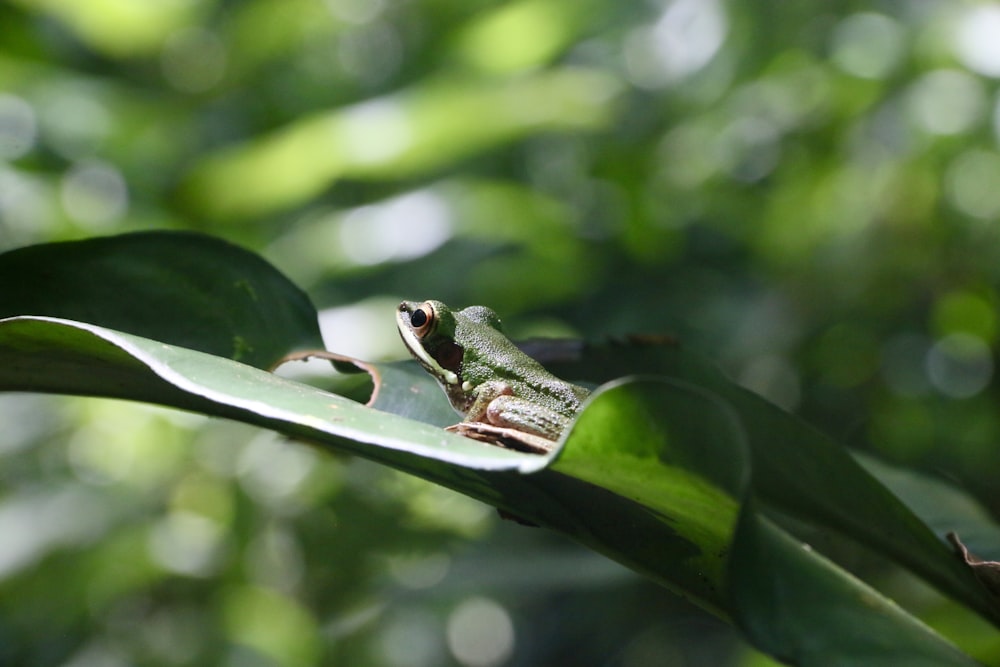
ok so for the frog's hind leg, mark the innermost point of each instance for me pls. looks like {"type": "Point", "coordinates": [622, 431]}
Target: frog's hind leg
{"type": "Point", "coordinates": [517, 413]}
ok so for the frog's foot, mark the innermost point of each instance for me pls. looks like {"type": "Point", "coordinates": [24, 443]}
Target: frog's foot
{"type": "Point", "coordinates": [507, 438]}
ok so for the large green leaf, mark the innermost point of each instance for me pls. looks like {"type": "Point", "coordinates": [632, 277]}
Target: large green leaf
{"type": "Point", "coordinates": [675, 451]}
{"type": "Point", "coordinates": [941, 506]}
{"type": "Point", "coordinates": [188, 289]}
{"type": "Point", "coordinates": [798, 606]}
{"type": "Point", "coordinates": [799, 471]}
{"type": "Point", "coordinates": [651, 474]}
{"type": "Point", "coordinates": [51, 355]}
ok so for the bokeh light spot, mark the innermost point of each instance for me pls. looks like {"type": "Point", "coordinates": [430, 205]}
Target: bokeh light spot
{"type": "Point", "coordinates": [272, 472]}
{"type": "Point", "coordinates": [187, 543]}
{"type": "Point", "coordinates": [976, 39]}
{"type": "Point", "coordinates": [748, 148]}
{"type": "Point", "coordinates": [971, 183]}
{"type": "Point", "coordinates": [26, 207]}
{"type": "Point", "coordinates": [867, 45]}
{"type": "Point", "coordinates": [947, 101]}
{"type": "Point", "coordinates": [960, 365]}
{"type": "Point", "coordinates": [94, 194]}
{"type": "Point", "coordinates": [480, 633]}
{"type": "Point", "coordinates": [419, 571]}
{"type": "Point", "coordinates": [685, 38]}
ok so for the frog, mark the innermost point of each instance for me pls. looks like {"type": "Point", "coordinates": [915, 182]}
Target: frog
{"type": "Point", "coordinates": [486, 377]}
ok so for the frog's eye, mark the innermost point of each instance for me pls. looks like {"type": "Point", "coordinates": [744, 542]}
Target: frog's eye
{"type": "Point", "coordinates": [422, 318]}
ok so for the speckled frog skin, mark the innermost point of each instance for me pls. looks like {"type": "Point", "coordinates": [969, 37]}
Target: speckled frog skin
{"type": "Point", "coordinates": [486, 377]}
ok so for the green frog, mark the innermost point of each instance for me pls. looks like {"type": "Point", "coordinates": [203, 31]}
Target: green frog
{"type": "Point", "coordinates": [486, 377]}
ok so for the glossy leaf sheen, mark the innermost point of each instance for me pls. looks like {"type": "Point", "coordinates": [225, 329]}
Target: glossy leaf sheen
{"type": "Point", "coordinates": [187, 289]}
{"type": "Point", "coordinates": [49, 355]}
{"type": "Point", "coordinates": [802, 472]}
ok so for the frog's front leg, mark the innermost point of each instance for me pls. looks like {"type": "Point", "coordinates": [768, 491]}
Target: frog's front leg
{"type": "Point", "coordinates": [495, 404]}
{"type": "Point", "coordinates": [486, 393]}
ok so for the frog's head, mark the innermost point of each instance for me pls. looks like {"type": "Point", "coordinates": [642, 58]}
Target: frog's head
{"type": "Point", "coordinates": [428, 331]}
{"type": "Point", "coordinates": [442, 340]}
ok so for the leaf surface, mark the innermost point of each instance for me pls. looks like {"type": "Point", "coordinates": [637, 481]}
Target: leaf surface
{"type": "Point", "coordinates": [187, 289]}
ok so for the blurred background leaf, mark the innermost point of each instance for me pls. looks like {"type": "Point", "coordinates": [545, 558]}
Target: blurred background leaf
{"type": "Point", "coordinates": [805, 193]}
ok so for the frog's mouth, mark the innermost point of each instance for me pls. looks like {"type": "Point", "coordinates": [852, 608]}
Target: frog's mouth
{"type": "Point", "coordinates": [416, 347]}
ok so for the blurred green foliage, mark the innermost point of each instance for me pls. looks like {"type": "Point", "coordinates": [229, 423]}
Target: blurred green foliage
{"type": "Point", "coordinates": [805, 192]}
